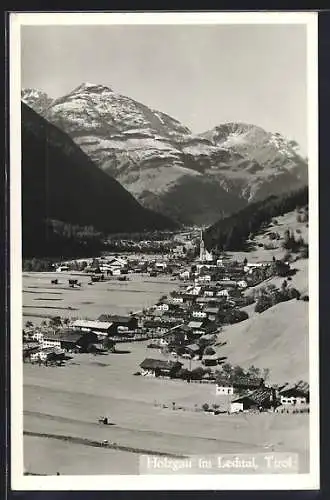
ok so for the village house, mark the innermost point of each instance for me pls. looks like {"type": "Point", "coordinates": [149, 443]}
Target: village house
{"type": "Point", "coordinates": [101, 328]}
{"type": "Point", "coordinates": [206, 278]}
{"type": "Point", "coordinates": [245, 383]}
{"type": "Point", "coordinates": [224, 387]}
{"type": "Point", "coordinates": [45, 354]}
{"type": "Point", "coordinates": [259, 399]}
{"type": "Point", "coordinates": [159, 368]}
{"type": "Point", "coordinates": [199, 314]}
{"type": "Point", "coordinates": [210, 360]}
{"type": "Point", "coordinates": [293, 395]}
{"type": "Point", "coordinates": [70, 339]}
{"type": "Point", "coordinates": [211, 313]}
{"type": "Point", "coordinates": [192, 349]}
{"type": "Point", "coordinates": [177, 300]}
{"type": "Point", "coordinates": [185, 275]}
{"type": "Point", "coordinates": [162, 307]}
{"type": "Point", "coordinates": [38, 336]}
{"type": "Point", "coordinates": [62, 269]}
{"type": "Point", "coordinates": [160, 266]}
{"type": "Point", "coordinates": [130, 322]}
{"type": "Point", "coordinates": [176, 336]}
{"type": "Point", "coordinates": [242, 284]}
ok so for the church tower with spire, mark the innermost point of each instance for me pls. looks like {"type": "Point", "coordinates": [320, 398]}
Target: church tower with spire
{"type": "Point", "coordinates": [204, 255]}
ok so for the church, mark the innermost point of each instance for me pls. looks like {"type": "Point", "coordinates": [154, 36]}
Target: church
{"type": "Point", "coordinates": [204, 254]}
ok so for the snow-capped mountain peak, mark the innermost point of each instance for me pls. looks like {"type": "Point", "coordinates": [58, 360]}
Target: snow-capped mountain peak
{"type": "Point", "coordinates": [193, 178]}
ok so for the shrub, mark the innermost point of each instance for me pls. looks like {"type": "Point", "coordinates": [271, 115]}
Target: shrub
{"type": "Point", "coordinates": [205, 407]}
{"type": "Point", "coordinates": [305, 298]}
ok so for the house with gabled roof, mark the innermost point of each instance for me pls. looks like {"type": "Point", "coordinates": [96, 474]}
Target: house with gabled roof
{"type": "Point", "coordinates": [159, 367]}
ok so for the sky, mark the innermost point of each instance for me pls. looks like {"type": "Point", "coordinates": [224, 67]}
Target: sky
{"type": "Point", "coordinates": [201, 75]}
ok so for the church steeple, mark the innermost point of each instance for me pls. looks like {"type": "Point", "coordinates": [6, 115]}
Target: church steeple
{"type": "Point", "coordinates": [204, 255]}
{"type": "Point", "coordinates": [201, 248]}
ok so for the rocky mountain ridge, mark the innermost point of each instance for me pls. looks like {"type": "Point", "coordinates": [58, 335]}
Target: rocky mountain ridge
{"type": "Point", "coordinates": [192, 178]}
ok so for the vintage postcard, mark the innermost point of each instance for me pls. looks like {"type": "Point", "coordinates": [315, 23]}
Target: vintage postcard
{"type": "Point", "coordinates": [164, 251]}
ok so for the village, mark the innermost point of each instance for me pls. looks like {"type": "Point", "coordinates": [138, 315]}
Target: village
{"type": "Point", "coordinates": [182, 331]}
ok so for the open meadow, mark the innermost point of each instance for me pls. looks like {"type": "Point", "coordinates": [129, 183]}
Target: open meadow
{"type": "Point", "coordinates": [41, 299]}
{"type": "Point", "coordinates": [62, 406]}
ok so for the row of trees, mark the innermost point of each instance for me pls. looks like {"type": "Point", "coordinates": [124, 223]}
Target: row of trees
{"type": "Point", "coordinates": [60, 240]}
{"type": "Point", "coordinates": [270, 295]}
{"type": "Point", "coordinates": [232, 232]}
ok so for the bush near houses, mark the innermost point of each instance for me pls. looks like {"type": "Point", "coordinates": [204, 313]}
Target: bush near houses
{"type": "Point", "coordinates": [270, 295]}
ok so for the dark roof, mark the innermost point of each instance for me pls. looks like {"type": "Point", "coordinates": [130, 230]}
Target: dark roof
{"type": "Point", "coordinates": [252, 383]}
{"type": "Point", "coordinates": [193, 347]}
{"type": "Point", "coordinates": [114, 318]}
{"type": "Point", "coordinates": [224, 382]}
{"type": "Point", "coordinates": [211, 310]}
{"type": "Point", "coordinates": [294, 391]}
{"type": "Point", "coordinates": [65, 335]}
{"type": "Point", "coordinates": [258, 397]}
{"type": "Point", "coordinates": [152, 364]}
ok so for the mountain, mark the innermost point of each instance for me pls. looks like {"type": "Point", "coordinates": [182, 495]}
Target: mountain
{"type": "Point", "coordinates": [232, 233]}
{"type": "Point", "coordinates": [38, 100]}
{"type": "Point", "coordinates": [277, 338]}
{"type": "Point", "coordinates": [61, 182]}
{"type": "Point", "coordinates": [192, 178]}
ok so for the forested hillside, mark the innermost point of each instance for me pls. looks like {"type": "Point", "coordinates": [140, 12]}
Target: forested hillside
{"type": "Point", "coordinates": [232, 233]}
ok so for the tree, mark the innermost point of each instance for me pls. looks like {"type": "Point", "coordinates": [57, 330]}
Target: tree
{"type": "Point", "coordinates": [254, 372]}
{"type": "Point", "coordinates": [238, 371]}
{"type": "Point", "coordinates": [227, 368]}
{"type": "Point", "coordinates": [265, 373]}
{"type": "Point", "coordinates": [209, 351]}
{"type": "Point", "coordinates": [205, 406]}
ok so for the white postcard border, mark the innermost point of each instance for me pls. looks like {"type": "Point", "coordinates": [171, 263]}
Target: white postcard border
{"type": "Point", "coordinates": [157, 482]}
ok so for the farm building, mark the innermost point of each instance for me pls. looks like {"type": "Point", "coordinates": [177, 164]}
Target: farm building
{"type": "Point", "coordinates": [224, 386]}
{"type": "Point", "coordinates": [47, 354]}
{"type": "Point", "coordinates": [261, 399]}
{"type": "Point", "coordinates": [130, 322]}
{"type": "Point", "coordinates": [247, 383]}
{"type": "Point", "coordinates": [195, 325]}
{"type": "Point", "coordinates": [62, 269]}
{"type": "Point", "coordinates": [193, 349]}
{"type": "Point", "coordinates": [293, 395]}
{"type": "Point", "coordinates": [157, 367]}
{"type": "Point", "coordinates": [199, 314]}
{"type": "Point", "coordinates": [99, 327]}
{"type": "Point", "coordinates": [210, 360]}
{"type": "Point", "coordinates": [70, 340]}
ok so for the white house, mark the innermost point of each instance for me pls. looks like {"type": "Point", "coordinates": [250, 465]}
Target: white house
{"type": "Point", "coordinates": [208, 293]}
{"type": "Point", "coordinates": [224, 388]}
{"type": "Point", "coordinates": [223, 293]}
{"type": "Point", "coordinates": [116, 271]}
{"type": "Point", "coordinates": [38, 336]}
{"type": "Point", "coordinates": [293, 395]}
{"type": "Point", "coordinates": [242, 284]}
{"type": "Point", "coordinates": [184, 275]}
{"type": "Point", "coordinates": [193, 290]}
{"type": "Point", "coordinates": [199, 314]}
{"type": "Point", "coordinates": [51, 343]}
{"type": "Point", "coordinates": [236, 407]}
{"type": "Point", "coordinates": [62, 269]}
{"type": "Point", "coordinates": [160, 266]}
{"type": "Point", "coordinates": [293, 400]}
{"type": "Point", "coordinates": [162, 307]}
{"type": "Point", "coordinates": [204, 279]}
{"type": "Point", "coordinates": [177, 300]}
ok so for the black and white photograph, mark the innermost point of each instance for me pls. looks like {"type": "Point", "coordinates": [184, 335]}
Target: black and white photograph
{"type": "Point", "coordinates": [164, 251]}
